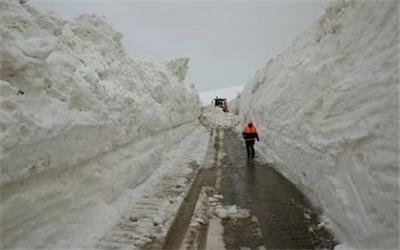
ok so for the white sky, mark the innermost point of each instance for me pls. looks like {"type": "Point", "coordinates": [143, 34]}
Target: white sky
{"type": "Point", "coordinates": [229, 93]}
{"type": "Point", "coordinates": [226, 40]}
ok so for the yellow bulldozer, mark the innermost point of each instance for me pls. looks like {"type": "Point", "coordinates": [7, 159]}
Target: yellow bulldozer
{"type": "Point", "coordinates": [222, 103]}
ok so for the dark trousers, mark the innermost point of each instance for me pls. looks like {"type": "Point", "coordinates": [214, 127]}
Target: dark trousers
{"type": "Point", "coordinates": [250, 148]}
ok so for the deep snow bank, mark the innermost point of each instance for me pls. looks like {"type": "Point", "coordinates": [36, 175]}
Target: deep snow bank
{"type": "Point", "coordinates": [69, 91]}
{"type": "Point", "coordinates": [80, 123]}
{"type": "Point", "coordinates": [327, 111]}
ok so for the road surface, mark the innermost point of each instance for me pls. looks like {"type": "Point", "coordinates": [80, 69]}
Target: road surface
{"type": "Point", "coordinates": [285, 216]}
{"type": "Point", "coordinates": [281, 217]}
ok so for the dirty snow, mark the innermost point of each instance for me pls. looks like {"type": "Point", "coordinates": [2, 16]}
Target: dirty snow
{"type": "Point", "coordinates": [207, 216]}
{"type": "Point", "coordinates": [82, 125]}
{"type": "Point", "coordinates": [327, 110]}
{"type": "Point", "coordinates": [226, 211]}
{"type": "Point", "coordinates": [215, 234]}
{"type": "Point", "coordinates": [194, 236]}
{"type": "Point", "coordinates": [151, 207]}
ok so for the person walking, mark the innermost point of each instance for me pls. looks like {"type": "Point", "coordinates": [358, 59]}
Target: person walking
{"type": "Point", "coordinates": [250, 135]}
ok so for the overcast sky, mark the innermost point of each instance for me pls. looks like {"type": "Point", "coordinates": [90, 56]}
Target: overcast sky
{"type": "Point", "coordinates": [226, 40]}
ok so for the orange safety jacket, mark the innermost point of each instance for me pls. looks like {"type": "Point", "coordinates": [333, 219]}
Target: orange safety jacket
{"type": "Point", "coordinates": [247, 129]}
{"type": "Point", "coordinates": [249, 134]}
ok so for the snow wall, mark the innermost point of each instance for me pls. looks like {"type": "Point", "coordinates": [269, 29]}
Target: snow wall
{"type": "Point", "coordinates": [68, 93]}
{"type": "Point", "coordinates": [327, 112]}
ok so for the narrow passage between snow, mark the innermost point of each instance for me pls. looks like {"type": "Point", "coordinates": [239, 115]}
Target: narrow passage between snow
{"type": "Point", "coordinates": [244, 205]}
{"type": "Point", "coordinates": [285, 216]}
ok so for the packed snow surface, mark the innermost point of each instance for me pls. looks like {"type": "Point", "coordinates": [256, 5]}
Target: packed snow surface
{"type": "Point", "coordinates": [80, 122]}
{"type": "Point", "coordinates": [214, 117]}
{"type": "Point", "coordinates": [327, 112]}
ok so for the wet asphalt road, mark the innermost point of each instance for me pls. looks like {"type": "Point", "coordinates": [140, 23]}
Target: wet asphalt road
{"type": "Point", "coordinates": [285, 216]}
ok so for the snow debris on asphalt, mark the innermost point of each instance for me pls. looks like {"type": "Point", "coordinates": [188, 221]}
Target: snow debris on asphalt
{"type": "Point", "coordinates": [199, 221]}
{"type": "Point", "coordinates": [208, 214]}
{"type": "Point", "coordinates": [232, 212]}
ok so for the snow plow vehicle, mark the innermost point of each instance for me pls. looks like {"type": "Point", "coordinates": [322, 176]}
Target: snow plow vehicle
{"type": "Point", "coordinates": [222, 103]}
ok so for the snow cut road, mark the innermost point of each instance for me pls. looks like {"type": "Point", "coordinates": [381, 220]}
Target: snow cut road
{"type": "Point", "coordinates": [234, 203]}
{"type": "Point", "coordinates": [285, 216]}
